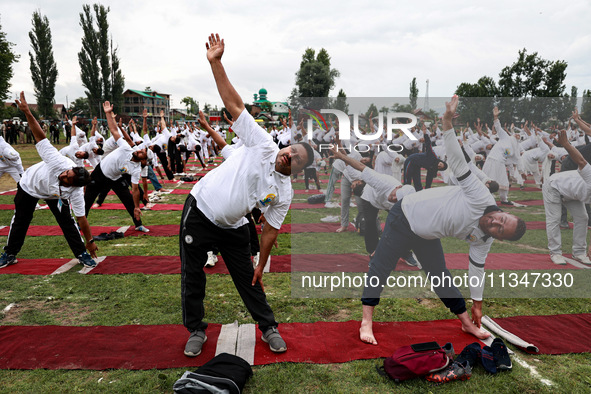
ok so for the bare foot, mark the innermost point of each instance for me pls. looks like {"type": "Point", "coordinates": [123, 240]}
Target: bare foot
{"type": "Point", "coordinates": [477, 332]}
{"type": "Point", "coordinates": [366, 334]}
{"type": "Point", "coordinates": [341, 229]}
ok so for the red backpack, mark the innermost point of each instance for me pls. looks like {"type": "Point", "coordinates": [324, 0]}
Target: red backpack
{"type": "Point", "coordinates": [407, 363]}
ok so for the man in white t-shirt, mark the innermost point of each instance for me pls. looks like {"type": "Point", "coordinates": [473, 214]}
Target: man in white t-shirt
{"type": "Point", "coordinates": [420, 220]}
{"type": "Point", "coordinates": [573, 189]}
{"type": "Point", "coordinates": [10, 161]}
{"type": "Point", "coordinates": [108, 174]}
{"type": "Point", "coordinates": [256, 175]}
{"type": "Point", "coordinates": [58, 181]}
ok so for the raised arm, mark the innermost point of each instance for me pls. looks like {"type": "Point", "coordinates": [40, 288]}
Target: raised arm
{"type": "Point", "coordinates": [573, 152]}
{"type": "Point", "coordinates": [497, 124]}
{"type": "Point", "coordinates": [214, 135]}
{"type": "Point", "coordinates": [162, 120]}
{"type": "Point", "coordinates": [455, 156]}
{"type": "Point", "coordinates": [338, 154]}
{"type": "Point", "coordinates": [230, 97]}
{"type": "Point", "coordinates": [93, 130]}
{"type": "Point", "coordinates": [33, 124]}
{"type": "Point", "coordinates": [230, 122]}
{"type": "Point", "coordinates": [108, 108]}
{"type": "Point", "coordinates": [582, 124]}
{"type": "Point", "coordinates": [145, 122]}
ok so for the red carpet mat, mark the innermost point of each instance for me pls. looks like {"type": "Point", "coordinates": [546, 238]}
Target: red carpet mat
{"type": "Point", "coordinates": [38, 231]}
{"type": "Point", "coordinates": [99, 347]}
{"type": "Point", "coordinates": [283, 263]}
{"type": "Point", "coordinates": [170, 230]}
{"type": "Point", "coordinates": [157, 207]}
{"type": "Point", "coordinates": [553, 334]}
{"type": "Point", "coordinates": [320, 263]}
{"type": "Point", "coordinates": [34, 266]}
{"type": "Point", "coordinates": [161, 346]}
{"type": "Point", "coordinates": [338, 342]}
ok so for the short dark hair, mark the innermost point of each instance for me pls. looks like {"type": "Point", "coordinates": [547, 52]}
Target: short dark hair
{"type": "Point", "coordinates": [493, 186]}
{"type": "Point", "coordinates": [309, 152]}
{"type": "Point", "coordinates": [519, 230]}
{"type": "Point", "coordinates": [82, 177]}
{"type": "Point", "coordinates": [156, 149]}
{"type": "Point", "coordinates": [358, 189]}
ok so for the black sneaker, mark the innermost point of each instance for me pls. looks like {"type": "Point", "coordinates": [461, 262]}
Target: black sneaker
{"type": "Point", "coordinates": [86, 260]}
{"type": "Point", "coordinates": [507, 202]}
{"type": "Point", "coordinates": [499, 349]}
{"type": "Point", "coordinates": [7, 259]}
{"type": "Point", "coordinates": [471, 353]}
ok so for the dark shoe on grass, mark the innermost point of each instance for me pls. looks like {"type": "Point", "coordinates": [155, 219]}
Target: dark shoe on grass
{"type": "Point", "coordinates": [7, 259]}
{"type": "Point", "coordinates": [501, 354]}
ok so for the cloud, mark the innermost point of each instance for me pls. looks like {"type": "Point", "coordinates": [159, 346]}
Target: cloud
{"type": "Point", "coordinates": [378, 48]}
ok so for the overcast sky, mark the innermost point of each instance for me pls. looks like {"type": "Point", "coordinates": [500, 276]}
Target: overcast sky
{"type": "Point", "coordinates": [378, 48]}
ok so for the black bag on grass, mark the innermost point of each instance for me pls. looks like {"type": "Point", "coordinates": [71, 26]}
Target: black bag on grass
{"type": "Point", "coordinates": [223, 372]}
{"type": "Point", "coordinates": [316, 199]}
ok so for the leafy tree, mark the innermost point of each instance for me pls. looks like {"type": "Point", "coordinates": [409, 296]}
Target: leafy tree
{"type": "Point", "coordinates": [267, 107]}
{"type": "Point", "coordinates": [477, 99]}
{"type": "Point", "coordinates": [414, 94]}
{"type": "Point", "coordinates": [99, 63]}
{"type": "Point", "coordinates": [518, 92]}
{"type": "Point", "coordinates": [88, 59]}
{"type": "Point", "coordinates": [371, 110]}
{"type": "Point", "coordinates": [7, 57]}
{"type": "Point", "coordinates": [532, 76]}
{"type": "Point", "coordinates": [191, 104]}
{"type": "Point", "coordinates": [341, 102]}
{"type": "Point", "coordinates": [118, 83]}
{"type": "Point", "coordinates": [586, 106]}
{"type": "Point", "coordinates": [80, 105]}
{"type": "Point", "coordinates": [315, 78]}
{"type": "Point", "coordinates": [396, 107]}
{"type": "Point", "coordinates": [43, 67]}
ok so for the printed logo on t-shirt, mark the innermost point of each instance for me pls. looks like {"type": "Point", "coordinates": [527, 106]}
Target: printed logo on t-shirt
{"type": "Point", "coordinates": [507, 152]}
{"type": "Point", "coordinates": [471, 238]}
{"type": "Point", "coordinates": [267, 200]}
{"type": "Point", "coordinates": [123, 170]}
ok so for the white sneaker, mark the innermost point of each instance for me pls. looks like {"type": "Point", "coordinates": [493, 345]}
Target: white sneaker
{"type": "Point", "coordinates": [211, 259]}
{"type": "Point", "coordinates": [557, 259]}
{"type": "Point", "coordinates": [142, 229]}
{"type": "Point", "coordinates": [582, 258]}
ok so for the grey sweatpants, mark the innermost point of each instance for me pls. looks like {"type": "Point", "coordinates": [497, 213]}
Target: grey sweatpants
{"type": "Point", "coordinates": [552, 206]}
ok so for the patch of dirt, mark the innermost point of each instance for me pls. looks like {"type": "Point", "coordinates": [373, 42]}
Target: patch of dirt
{"type": "Point", "coordinates": [68, 316]}
{"type": "Point", "coordinates": [64, 313]}
{"type": "Point", "coordinates": [429, 303]}
{"type": "Point", "coordinates": [343, 314]}
{"type": "Point", "coordinates": [13, 316]}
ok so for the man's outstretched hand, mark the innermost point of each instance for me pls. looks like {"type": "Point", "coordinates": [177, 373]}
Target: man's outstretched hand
{"type": "Point", "coordinates": [215, 47]}
{"type": "Point", "coordinates": [22, 103]}
{"type": "Point", "coordinates": [107, 107]}
{"type": "Point", "coordinates": [450, 110]}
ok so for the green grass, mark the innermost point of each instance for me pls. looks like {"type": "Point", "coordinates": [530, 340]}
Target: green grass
{"type": "Point", "coordinates": [71, 299]}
